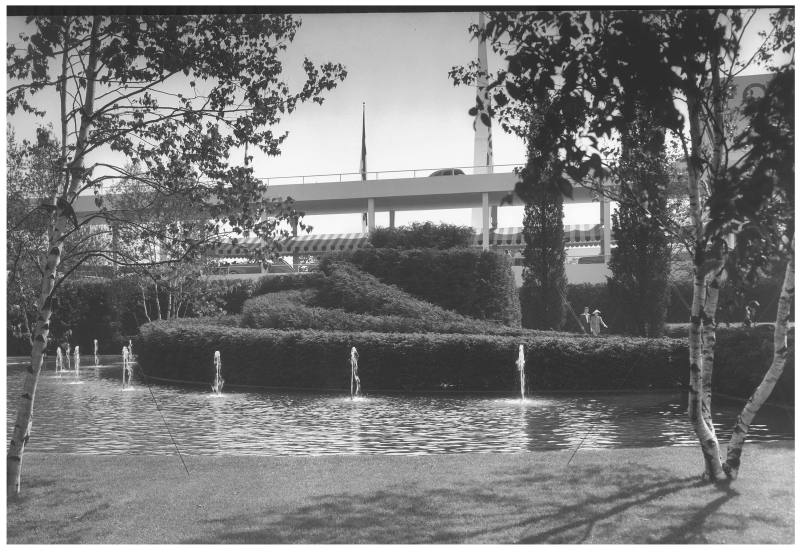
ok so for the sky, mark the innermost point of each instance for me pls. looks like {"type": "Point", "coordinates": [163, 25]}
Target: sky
{"type": "Point", "coordinates": [397, 66]}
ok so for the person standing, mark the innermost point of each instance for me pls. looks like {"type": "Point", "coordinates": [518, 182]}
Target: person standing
{"type": "Point", "coordinates": [585, 319]}
{"type": "Point", "coordinates": [595, 322]}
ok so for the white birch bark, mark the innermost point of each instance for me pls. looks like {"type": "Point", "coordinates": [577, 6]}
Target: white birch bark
{"type": "Point", "coordinates": [764, 389]}
{"type": "Point", "coordinates": [24, 419]}
{"type": "Point", "coordinates": [702, 428]}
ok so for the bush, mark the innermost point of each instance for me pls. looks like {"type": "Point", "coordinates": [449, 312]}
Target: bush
{"type": "Point", "coordinates": [741, 358]}
{"type": "Point", "coordinates": [732, 300]}
{"type": "Point", "coordinates": [291, 280]}
{"type": "Point", "coordinates": [422, 235]}
{"type": "Point", "coordinates": [410, 362]}
{"type": "Point", "coordinates": [296, 309]}
{"type": "Point", "coordinates": [474, 283]}
{"type": "Point", "coordinates": [731, 308]}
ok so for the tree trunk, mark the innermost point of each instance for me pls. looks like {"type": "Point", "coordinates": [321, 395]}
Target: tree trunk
{"type": "Point", "coordinates": [701, 422]}
{"type": "Point", "coordinates": [762, 392]}
{"type": "Point", "coordinates": [709, 342]}
{"type": "Point", "coordinates": [24, 420]}
{"type": "Point", "coordinates": [144, 303]}
{"type": "Point", "coordinates": [158, 301]}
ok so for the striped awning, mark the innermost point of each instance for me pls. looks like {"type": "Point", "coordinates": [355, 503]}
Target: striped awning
{"type": "Point", "coordinates": [305, 245]}
{"type": "Point", "coordinates": [310, 244]}
{"type": "Point", "coordinates": [576, 235]}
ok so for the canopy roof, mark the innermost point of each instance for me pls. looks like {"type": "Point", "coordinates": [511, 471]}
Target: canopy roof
{"type": "Point", "coordinates": [577, 235]}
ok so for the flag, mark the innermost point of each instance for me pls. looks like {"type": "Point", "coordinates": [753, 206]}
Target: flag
{"type": "Point", "coordinates": [363, 167]}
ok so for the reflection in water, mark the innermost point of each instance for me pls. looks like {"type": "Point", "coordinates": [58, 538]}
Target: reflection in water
{"type": "Point", "coordinates": [100, 417]}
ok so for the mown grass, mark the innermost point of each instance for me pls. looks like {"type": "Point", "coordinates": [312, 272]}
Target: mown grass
{"type": "Point", "coordinates": [644, 496]}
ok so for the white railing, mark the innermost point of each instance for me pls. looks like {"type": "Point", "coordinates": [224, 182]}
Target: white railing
{"type": "Point", "coordinates": [381, 175]}
{"type": "Point", "coordinates": [112, 188]}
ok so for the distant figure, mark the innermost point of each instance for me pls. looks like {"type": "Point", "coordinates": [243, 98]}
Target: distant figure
{"type": "Point", "coordinates": [750, 313]}
{"type": "Point", "coordinates": [585, 319]}
{"type": "Point", "coordinates": [595, 323]}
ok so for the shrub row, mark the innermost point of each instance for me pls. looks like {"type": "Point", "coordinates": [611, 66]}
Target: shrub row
{"type": "Point", "coordinates": [420, 235]}
{"type": "Point", "coordinates": [295, 309]}
{"type": "Point", "coordinates": [474, 283]}
{"type": "Point", "coordinates": [731, 306]}
{"type": "Point", "coordinates": [411, 362]}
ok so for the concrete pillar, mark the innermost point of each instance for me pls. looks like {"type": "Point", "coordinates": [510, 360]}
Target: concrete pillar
{"type": "Point", "coordinates": [605, 221]}
{"type": "Point", "coordinates": [391, 219]}
{"type": "Point", "coordinates": [486, 219]}
{"type": "Point", "coordinates": [295, 256]}
{"type": "Point", "coordinates": [494, 216]}
{"type": "Point", "coordinates": [370, 214]}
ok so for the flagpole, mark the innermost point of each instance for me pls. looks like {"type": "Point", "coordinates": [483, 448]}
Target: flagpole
{"type": "Point", "coordinates": [363, 164]}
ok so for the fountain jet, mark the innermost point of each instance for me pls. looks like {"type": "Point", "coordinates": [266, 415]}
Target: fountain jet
{"type": "Point", "coordinates": [77, 354]}
{"type": "Point", "coordinates": [521, 369]}
{"type": "Point", "coordinates": [127, 369]}
{"type": "Point", "coordinates": [59, 360]}
{"type": "Point", "coordinates": [216, 387]}
{"type": "Point", "coordinates": [355, 382]}
{"type": "Point", "coordinates": [96, 360]}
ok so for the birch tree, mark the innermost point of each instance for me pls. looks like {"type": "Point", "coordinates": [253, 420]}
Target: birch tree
{"type": "Point", "coordinates": [178, 94]}
{"type": "Point", "coordinates": [598, 67]}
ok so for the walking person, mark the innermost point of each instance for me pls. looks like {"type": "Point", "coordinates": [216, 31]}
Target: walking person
{"type": "Point", "coordinates": [585, 319]}
{"type": "Point", "coordinates": [595, 322]}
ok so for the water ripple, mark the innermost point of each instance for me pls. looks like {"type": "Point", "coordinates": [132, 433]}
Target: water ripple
{"type": "Point", "coordinates": [90, 413]}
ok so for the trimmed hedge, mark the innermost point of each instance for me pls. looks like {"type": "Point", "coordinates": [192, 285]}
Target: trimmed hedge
{"type": "Point", "coordinates": [295, 310]}
{"type": "Point", "coordinates": [421, 235]}
{"type": "Point", "coordinates": [731, 309]}
{"type": "Point", "coordinates": [479, 284]}
{"type": "Point", "coordinates": [410, 362]}
{"type": "Point", "coordinates": [286, 281]}
{"type": "Point", "coordinates": [741, 358]}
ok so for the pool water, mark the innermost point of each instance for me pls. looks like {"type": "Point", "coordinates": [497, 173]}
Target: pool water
{"type": "Point", "coordinates": [91, 413]}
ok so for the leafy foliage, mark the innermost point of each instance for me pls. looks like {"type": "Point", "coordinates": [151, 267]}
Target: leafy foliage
{"type": "Point", "coordinates": [410, 362]}
{"type": "Point", "coordinates": [478, 284]}
{"type": "Point", "coordinates": [349, 299]}
{"type": "Point", "coordinates": [544, 277]}
{"type": "Point", "coordinates": [421, 235]}
{"type": "Point", "coordinates": [640, 262]}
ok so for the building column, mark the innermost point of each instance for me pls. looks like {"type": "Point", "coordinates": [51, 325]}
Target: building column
{"type": "Point", "coordinates": [605, 223]}
{"type": "Point", "coordinates": [494, 216]}
{"type": "Point", "coordinates": [295, 254]}
{"type": "Point", "coordinates": [370, 214]}
{"type": "Point", "coordinates": [487, 222]}
{"type": "Point", "coordinates": [391, 219]}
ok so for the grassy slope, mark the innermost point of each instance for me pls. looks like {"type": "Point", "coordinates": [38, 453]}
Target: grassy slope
{"type": "Point", "coordinates": [602, 496]}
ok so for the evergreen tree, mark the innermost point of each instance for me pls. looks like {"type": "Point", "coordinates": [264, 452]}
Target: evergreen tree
{"type": "Point", "coordinates": [640, 262]}
{"type": "Point", "coordinates": [544, 278]}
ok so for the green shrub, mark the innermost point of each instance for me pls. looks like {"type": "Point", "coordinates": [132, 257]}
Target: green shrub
{"type": "Point", "coordinates": [741, 358]}
{"type": "Point", "coordinates": [286, 281]}
{"type": "Point", "coordinates": [421, 235]}
{"type": "Point", "coordinates": [732, 301]}
{"type": "Point", "coordinates": [474, 283]}
{"type": "Point", "coordinates": [411, 362]}
{"type": "Point", "coordinates": [298, 309]}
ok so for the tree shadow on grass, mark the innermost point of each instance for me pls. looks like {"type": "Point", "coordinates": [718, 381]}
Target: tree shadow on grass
{"type": "Point", "coordinates": [637, 504]}
{"type": "Point", "coordinates": [47, 511]}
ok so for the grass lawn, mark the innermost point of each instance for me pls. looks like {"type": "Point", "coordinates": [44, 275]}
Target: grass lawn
{"type": "Point", "coordinates": [648, 495]}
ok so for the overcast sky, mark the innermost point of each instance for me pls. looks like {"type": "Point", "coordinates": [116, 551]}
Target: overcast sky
{"type": "Point", "coordinates": [397, 64]}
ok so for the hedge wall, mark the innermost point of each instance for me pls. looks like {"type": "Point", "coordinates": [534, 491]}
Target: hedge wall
{"type": "Point", "coordinates": [419, 235]}
{"type": "Point", "coordinates": [296, 309]}
{"type": "Point", "coordinates": [596, 296]}
{"type": "Point", "coordinates": [474, 283]}
{"type": "Point", "coordinates": [411, 362]}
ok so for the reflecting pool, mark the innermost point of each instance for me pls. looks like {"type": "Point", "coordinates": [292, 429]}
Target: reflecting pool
{"type": "Point", "coordinates": [92, 413]}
